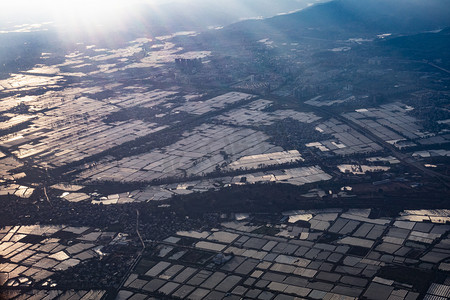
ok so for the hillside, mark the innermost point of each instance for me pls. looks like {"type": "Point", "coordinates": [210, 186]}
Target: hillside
{"type": "Point", "coordinates": [347, 18]}
{"type": "Point", "coordinates": [428, 46]}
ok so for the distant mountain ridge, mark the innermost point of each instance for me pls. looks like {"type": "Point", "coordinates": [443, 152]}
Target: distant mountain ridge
{"type": "Point", "coordinates": [344, 18]}
{"type": "Point", "coordinates": [158, 17]}
{"type": "Point", "coordinates": [431, 46]}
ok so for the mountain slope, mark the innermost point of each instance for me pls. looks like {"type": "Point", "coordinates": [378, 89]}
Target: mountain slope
{"type": "Point", "coordinates": [429, 46]}
{"type": "Point", "coordinates": [346, 18]}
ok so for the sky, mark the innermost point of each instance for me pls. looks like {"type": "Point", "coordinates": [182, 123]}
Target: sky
{"type": "Point", "coordinates": [70, 8]}
{"type": "Point", "coordinates": [75, 13]}
{"type": "Point", "coordinates": [93, 15]}
{"type": "Point", "coordinates": [63, 8]}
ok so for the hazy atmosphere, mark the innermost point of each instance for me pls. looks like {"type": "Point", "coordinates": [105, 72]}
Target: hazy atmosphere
{"type": "Point", "coordinates": [240, 149]}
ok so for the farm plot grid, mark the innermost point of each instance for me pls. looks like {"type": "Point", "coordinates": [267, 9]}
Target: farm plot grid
{"type": "Point", "coordinates": [72, 131]}
{"type": "Point", "coordinates": [242, 260]}
{"type": "Point", "coordinates": [391, 123]}
{"type": "Point", "coordinates": [253, 114]}
{"type": "Point", "coordinates": [32, 254]}
{"type": "Point", "coordinates": [294, 176]}
{"type": "Point", "coordinates": [199, 152]}
{"type": "Point", "coordinates": [346, 140]}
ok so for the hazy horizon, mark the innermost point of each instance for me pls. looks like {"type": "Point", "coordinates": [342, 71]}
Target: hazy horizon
{"type": "Point", "coordinates": [98, 12]}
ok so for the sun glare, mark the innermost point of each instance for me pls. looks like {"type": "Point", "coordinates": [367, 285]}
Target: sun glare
{"type": "Point", "coordinates": [73, 11]}
{"type": "Point", "coordinates": [79, 17]}
{"type": "Point", "coordinates": [85, 10]}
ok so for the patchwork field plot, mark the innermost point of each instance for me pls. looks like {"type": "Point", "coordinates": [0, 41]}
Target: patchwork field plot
{"type": "Point", "coordinates": [295, 176]}
{"type": "Point", "coordinates": [202, 107]}
{"type": "Point", "coordinates": [199, 152]}
{"type": "Point", "coordinates": [296, 261]}
{"type": "Point", "coordinates": [347, 141]}
{"type": "Point", "coordinates": [34, 253]}
{"type": "Point", "coordinates": [391, 123]}
{"type": "Point", "coordinates": [253, 115]}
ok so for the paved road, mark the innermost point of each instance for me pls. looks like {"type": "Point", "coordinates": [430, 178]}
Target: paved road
{"type": "Point", "coordinates": [136, 260]}
{"type": "Point", "coordinates": [440, 68]}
